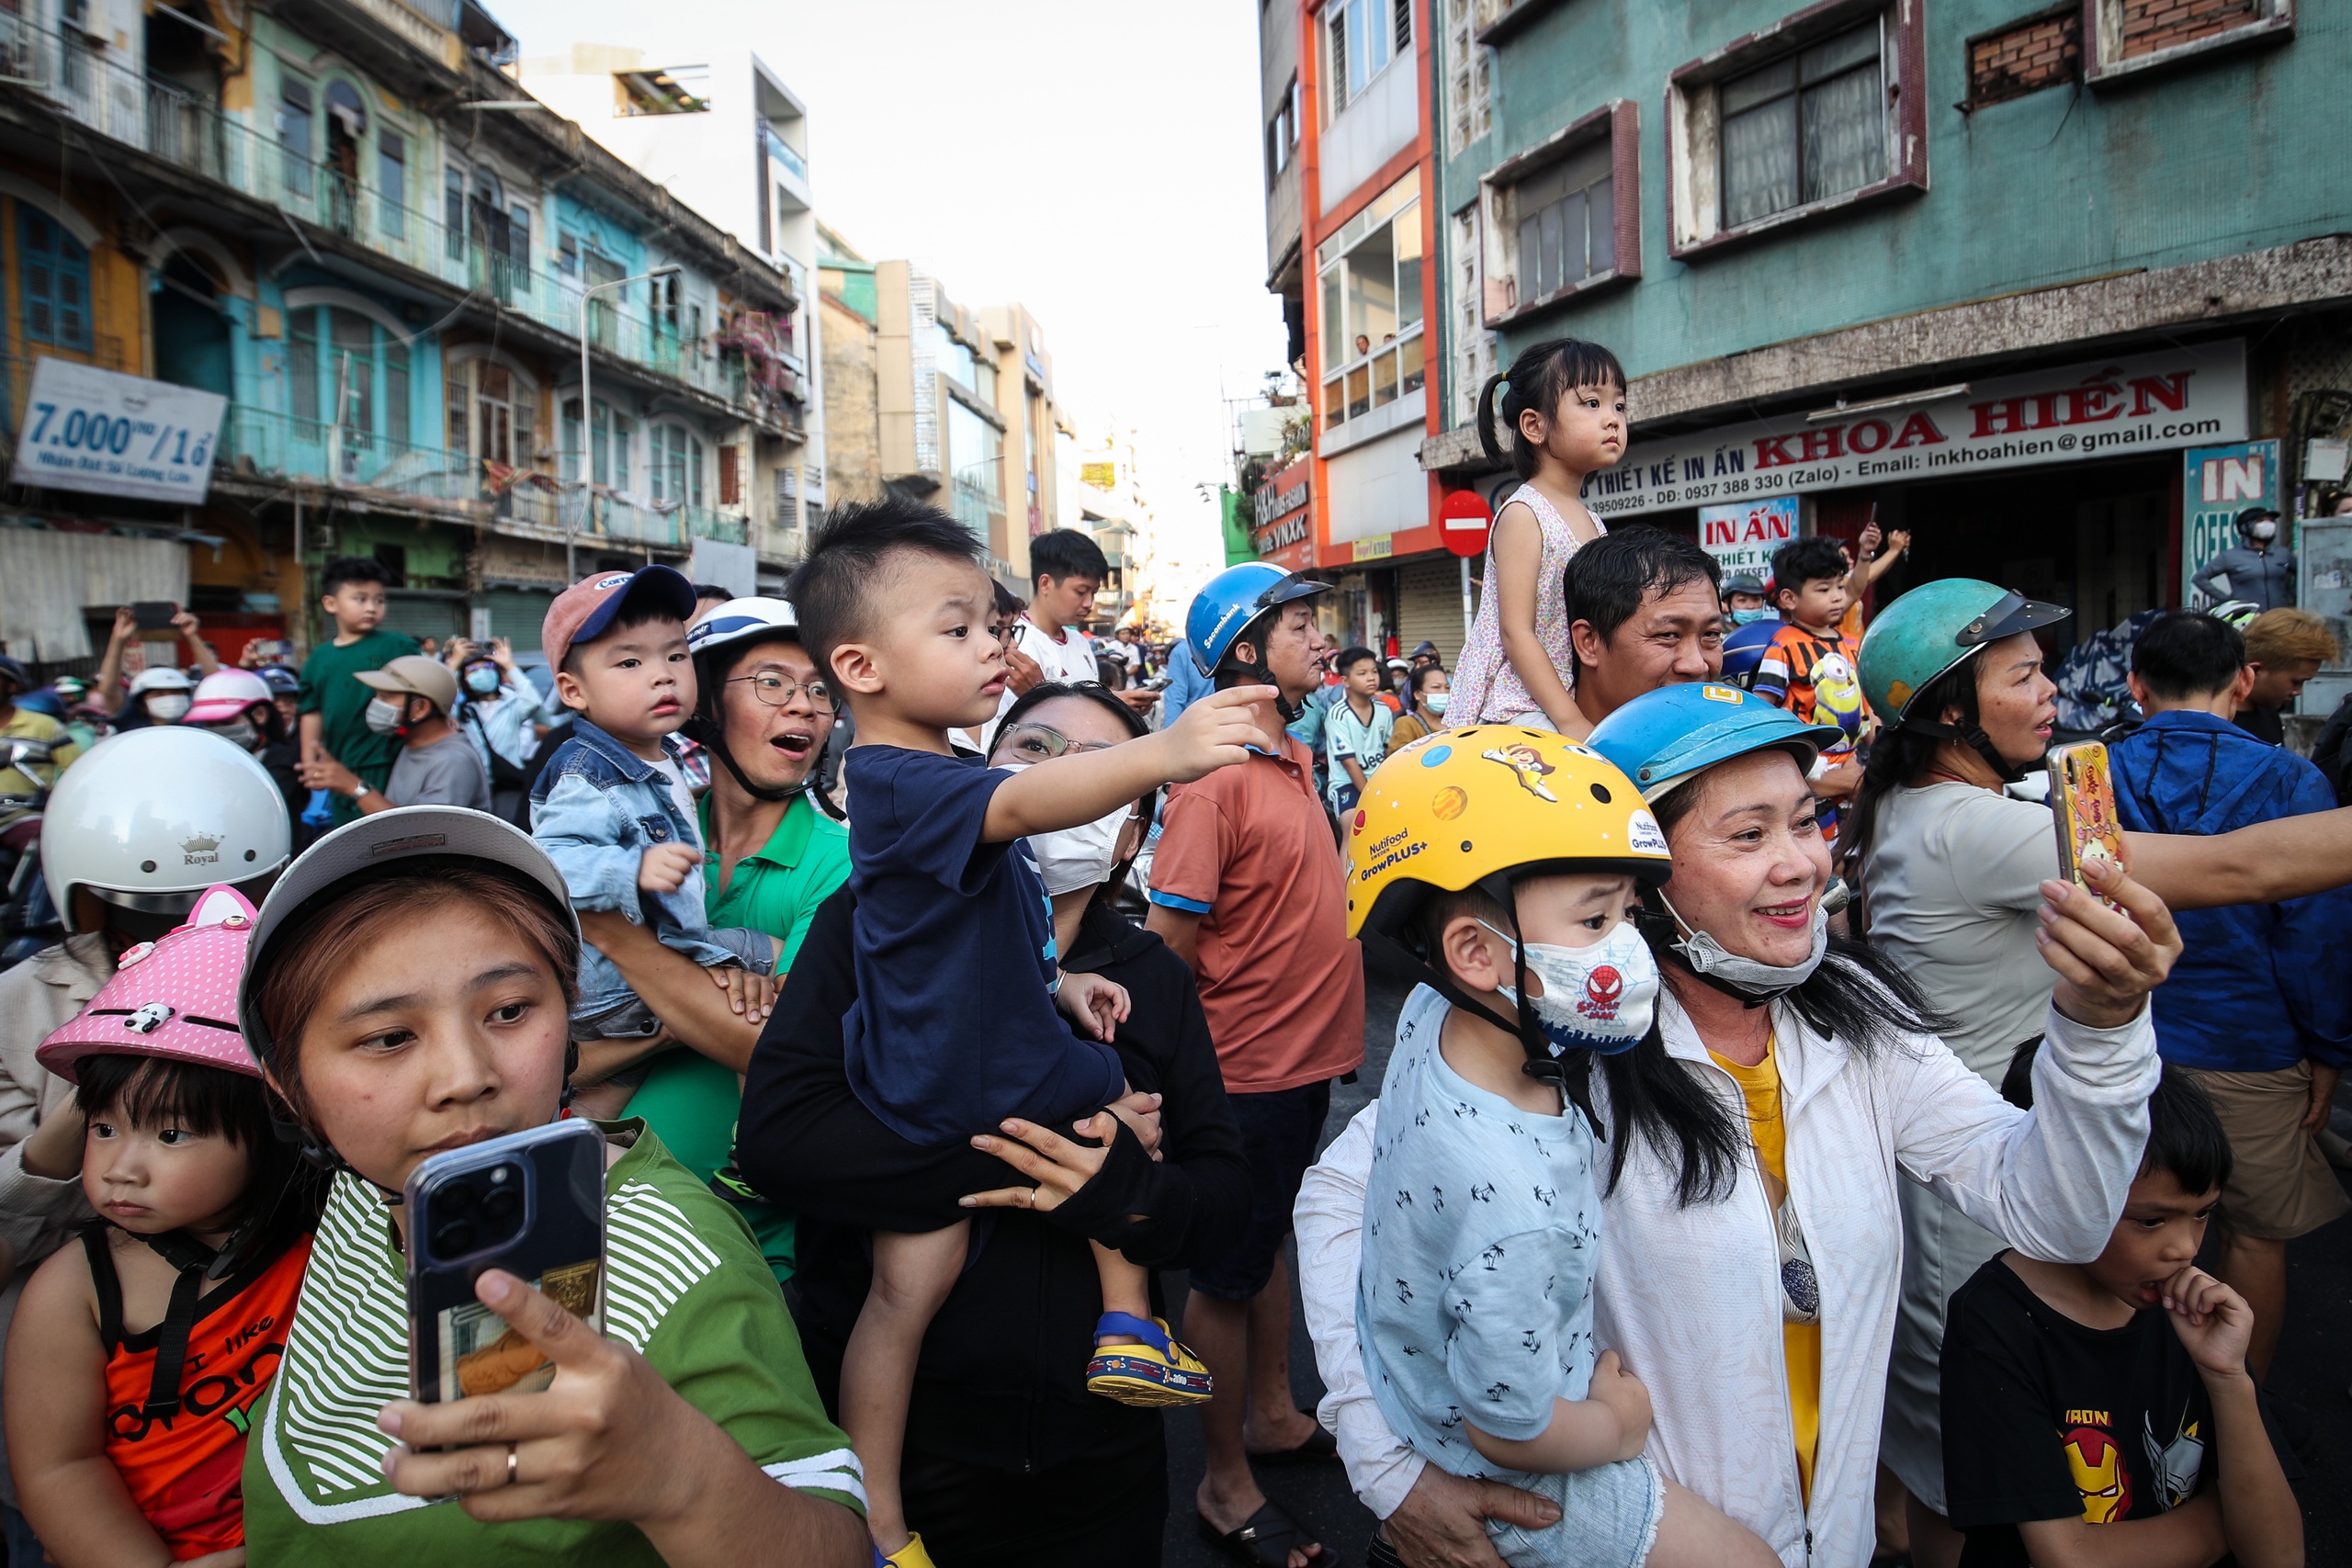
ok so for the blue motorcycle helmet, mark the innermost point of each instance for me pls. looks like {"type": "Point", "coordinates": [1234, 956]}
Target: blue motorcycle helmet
{"type": "Point", "coordinates": [1666, 738]}
{"type": "Point", "coordinates": [1230, 603]}
{"type": "Point", "coordinates": [1744, 650]}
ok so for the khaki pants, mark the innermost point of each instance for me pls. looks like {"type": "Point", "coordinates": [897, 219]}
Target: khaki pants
{"type": "Point", "coordinates": [2281, 1186]}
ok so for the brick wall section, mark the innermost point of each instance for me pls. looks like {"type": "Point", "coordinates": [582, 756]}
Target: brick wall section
{"type": "Point", "coordinates": [2041, 51]}
{"type": "Point", "coordinates": [2151, 24]}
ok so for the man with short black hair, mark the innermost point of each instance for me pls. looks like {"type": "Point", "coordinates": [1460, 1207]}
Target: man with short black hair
{"type": "Point", "coordinates": [1643, 611]}
{"type": "Point", "coordinates": [2255, 1007]}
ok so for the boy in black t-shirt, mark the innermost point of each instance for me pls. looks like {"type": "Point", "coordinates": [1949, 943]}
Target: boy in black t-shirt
{"type": "Point", "coordinates": [2115, 1393]}
{"type": "Point", "coordinates": [955, 1032]}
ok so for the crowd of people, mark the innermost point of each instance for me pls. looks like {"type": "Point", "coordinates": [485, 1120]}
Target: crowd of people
{"type": "Point", "coordinates": [1778, 1159]}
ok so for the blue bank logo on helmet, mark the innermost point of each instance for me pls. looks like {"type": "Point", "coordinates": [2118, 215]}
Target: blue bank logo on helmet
{"type": "Point", "coordinates": [1222, 610]}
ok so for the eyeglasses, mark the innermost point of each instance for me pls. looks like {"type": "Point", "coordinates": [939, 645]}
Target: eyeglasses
{"type": "Point", "coordinates": [1039, 743]}
{"type": "Point", "coordinates": [777, 693]}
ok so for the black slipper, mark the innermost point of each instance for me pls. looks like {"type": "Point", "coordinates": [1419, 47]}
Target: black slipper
{"type": "Point", "coordinates": [1319, 1446]}
{"type": "Point", "coordinates": [1265, 1539]}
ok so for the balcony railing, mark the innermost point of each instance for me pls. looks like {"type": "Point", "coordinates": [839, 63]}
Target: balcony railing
{"type": "Point", "coordinates": [274, 444]}
{"type": "Point", "coordinates": [77, 76]}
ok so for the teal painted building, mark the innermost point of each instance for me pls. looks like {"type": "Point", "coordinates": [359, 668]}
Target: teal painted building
{"type": "Point", "coordinates": [1769, 210]}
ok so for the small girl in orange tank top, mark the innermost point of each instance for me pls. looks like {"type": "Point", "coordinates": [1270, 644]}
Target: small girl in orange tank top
{"type": "Point", "coordinates": [136, 1359]}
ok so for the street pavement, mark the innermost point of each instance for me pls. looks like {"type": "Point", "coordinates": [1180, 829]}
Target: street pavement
{"type": "Point", "coordinates": [2314, 1374]}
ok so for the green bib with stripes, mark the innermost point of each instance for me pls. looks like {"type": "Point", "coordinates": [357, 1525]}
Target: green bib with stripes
{"type": "Point", "coordinates": [685, 1288]}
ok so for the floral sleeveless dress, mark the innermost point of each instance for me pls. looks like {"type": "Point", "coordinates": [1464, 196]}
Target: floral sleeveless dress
{"type": "Point", "coordinates": [1486, 690]}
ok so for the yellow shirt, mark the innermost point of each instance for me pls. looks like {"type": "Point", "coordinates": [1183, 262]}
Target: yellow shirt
{"type": "Point", "coordinates": [1800, 1342]}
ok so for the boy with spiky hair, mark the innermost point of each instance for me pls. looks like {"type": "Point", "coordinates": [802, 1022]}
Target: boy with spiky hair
{"type": "Point", "coordinates": [955, 1031]}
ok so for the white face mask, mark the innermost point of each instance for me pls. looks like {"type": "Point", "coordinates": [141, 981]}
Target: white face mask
{"type": "Point", "coordinates": [238, 732]}
{"type": "Point", "coordinates": [2266, 532]}
{"type": "Point", "coordinates": [1435, 701]}
{"type": "Point", "coordinates": [1600, 998]}
{"type": "Point", "coordinates": [1073, 858]}
{"type": "Point", "coordinates": [167, 707]}
{"type": "Point", "coordinates": [1752, 978]}
{"type": "Point", "coordinates": [383, 716]}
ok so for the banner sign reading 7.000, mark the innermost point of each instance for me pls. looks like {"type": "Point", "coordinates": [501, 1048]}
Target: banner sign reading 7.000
{"type": "Point", "coordinates": [98, 430]}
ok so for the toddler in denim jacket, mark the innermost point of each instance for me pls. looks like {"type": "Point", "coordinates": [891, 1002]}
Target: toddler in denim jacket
{"type": "Point", "coordinates": [613, 811]}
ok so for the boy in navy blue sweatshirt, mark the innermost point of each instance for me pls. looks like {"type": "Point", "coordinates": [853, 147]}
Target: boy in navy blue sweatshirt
{"type": "Point", "coordinates": [2256, 1010]}
{"type": "Point", "coordinates": [955, 1032]}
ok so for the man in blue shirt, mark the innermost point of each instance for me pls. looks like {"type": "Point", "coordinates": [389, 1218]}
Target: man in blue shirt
{"type": "Point", "coordinates": [2256, 1008]}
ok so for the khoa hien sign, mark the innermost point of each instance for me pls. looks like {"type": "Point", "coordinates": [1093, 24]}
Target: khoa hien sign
{"type": "Point", "coordinates": [2185, 397]}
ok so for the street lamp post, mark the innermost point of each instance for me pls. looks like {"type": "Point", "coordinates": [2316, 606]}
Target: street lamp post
{"type": "Point", "coordinates": [588, 406]}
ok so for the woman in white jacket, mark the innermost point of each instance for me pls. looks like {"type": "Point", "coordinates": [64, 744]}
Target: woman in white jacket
{"type": "Point", "coordinates": [1751, 1238]}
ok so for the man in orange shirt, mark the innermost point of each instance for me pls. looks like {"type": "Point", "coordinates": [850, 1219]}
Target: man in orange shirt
{"type": "Point", "coordinates": [1246, 885]}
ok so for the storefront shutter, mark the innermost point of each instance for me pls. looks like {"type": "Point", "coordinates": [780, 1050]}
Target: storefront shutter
{"type": "Point", "coordinates": [516, 615]}
{"type": "Point", "coordinates": [425, 615]}
{"type": "Point", "coordinates": [1429, 606]}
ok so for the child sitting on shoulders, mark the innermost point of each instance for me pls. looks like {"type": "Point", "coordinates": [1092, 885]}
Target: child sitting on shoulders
{"type": "Point", "coordinates": [1482, 1212]}
{"type": "Point", "coordinates": [955, 1032]}
{"type": "Point", "coordinates": [615, 812]}
{"type": "Point", "coordinates": [135, 1360]}
{"type": "Point", "coordinates": [2102, 1412]}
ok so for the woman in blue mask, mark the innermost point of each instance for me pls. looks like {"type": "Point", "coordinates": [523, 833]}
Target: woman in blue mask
{"type": "Point", "coordinates": [1757, 1137]}
{"type": "Point", "coordinates": [501, 713]}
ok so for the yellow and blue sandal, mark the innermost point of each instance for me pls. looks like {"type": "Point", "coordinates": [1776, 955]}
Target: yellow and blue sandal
{"type": "Point", "coordinates": [1158, 1371]}
{"type": "Point", "coordinates": [912, 1555]}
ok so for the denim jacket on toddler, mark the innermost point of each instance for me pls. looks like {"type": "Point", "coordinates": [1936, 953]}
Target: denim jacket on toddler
{"type": "Point", "coordinates": [596, 810]}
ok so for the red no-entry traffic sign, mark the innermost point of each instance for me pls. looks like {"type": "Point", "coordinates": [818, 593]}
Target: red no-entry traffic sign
{"type": "Point", "coordinates": [1465, 521]}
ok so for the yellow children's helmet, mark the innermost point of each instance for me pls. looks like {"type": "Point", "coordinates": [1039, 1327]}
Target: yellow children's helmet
{"type": "Point", "coordinates": [1489, 804]}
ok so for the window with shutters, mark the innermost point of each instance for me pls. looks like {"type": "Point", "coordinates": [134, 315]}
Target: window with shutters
{"type": "Point", "coordinates": [53, 278]}
{"type": "Point", "coordinates": [302, 372]}
{"type": "Point", "coordinates": [392, 183]}
{"type": "Point", "coordinates": [492, 412]}
{"type": "Point", "coordinates": [351, 338]}
{"type": "Point", "coordinates": [1361, 39]}
{"type": "Point", "coordinates": [1562, 218]}
{"type": "Point", "coordinates": [731, 483]}
{"type": "Point", "coordinates": [294, 134]}
{"type": "Point", "coordinates": [1813, 115]}
{"type": "Point", "coordinates": [396, 388]}
{"type": "Point", "coordinates": [673, 471]}
{"type": "Point", "coordinates": [1809, 125]}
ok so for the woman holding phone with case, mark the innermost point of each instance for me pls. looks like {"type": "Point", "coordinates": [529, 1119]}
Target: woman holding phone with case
{"type": "Point", "coordinates": [406, 992]}
{"type": "Point", "coordinates": [1951, 873]}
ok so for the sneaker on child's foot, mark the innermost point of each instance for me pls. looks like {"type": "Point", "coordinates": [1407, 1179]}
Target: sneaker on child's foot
{"type": "Point", "coordinates": [1154, 1371]}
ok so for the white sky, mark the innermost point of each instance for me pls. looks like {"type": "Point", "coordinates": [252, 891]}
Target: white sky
{"type": "Point", "coordinates": [1096, 162]}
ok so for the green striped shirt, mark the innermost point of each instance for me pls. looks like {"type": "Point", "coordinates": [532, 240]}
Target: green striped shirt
{"type": "Point", "coordinates": [685, 1288]}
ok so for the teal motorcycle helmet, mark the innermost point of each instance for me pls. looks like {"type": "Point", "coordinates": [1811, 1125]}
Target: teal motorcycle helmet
{"type": "Point", "coordinates": [1230, 603]}
{"type": "Point", "coordinates": [1929, 633]}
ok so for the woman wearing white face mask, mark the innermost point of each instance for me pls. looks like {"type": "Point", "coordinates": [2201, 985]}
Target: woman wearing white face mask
{"type": "Point", "coordinates": [237, 705]}
{"type": "Point", "coordinates": [1754, 1239]}
{"type": "Point", "coordinates": [1433, 691]}
{"type": "Point", "coordinates": [1008, 1460]}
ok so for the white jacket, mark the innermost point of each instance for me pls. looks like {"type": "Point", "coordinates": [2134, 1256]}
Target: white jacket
{"type": "Point", "coordinates": [1690, 1296]}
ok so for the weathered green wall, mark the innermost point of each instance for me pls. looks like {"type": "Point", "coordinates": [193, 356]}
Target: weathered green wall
{"type": "Point", "coordinates": [2222, 156]}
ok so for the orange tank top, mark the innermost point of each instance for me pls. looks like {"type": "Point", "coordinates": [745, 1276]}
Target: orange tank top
{"type": "Point", "coordinates": [185, 1470]}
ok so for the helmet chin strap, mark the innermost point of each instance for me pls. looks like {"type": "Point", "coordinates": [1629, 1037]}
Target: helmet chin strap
{"type": "Point", "coordinates": [1573, 1079]}
{"type": "Point", "coordinates": [1256, 670]}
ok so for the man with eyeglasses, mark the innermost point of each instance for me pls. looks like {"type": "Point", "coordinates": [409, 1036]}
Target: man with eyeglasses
{"type": "Point", "coordinates": [771, 856]}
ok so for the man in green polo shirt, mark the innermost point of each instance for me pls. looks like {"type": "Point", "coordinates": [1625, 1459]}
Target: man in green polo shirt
{"type": "Point", "coordinates": [770, 857]}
